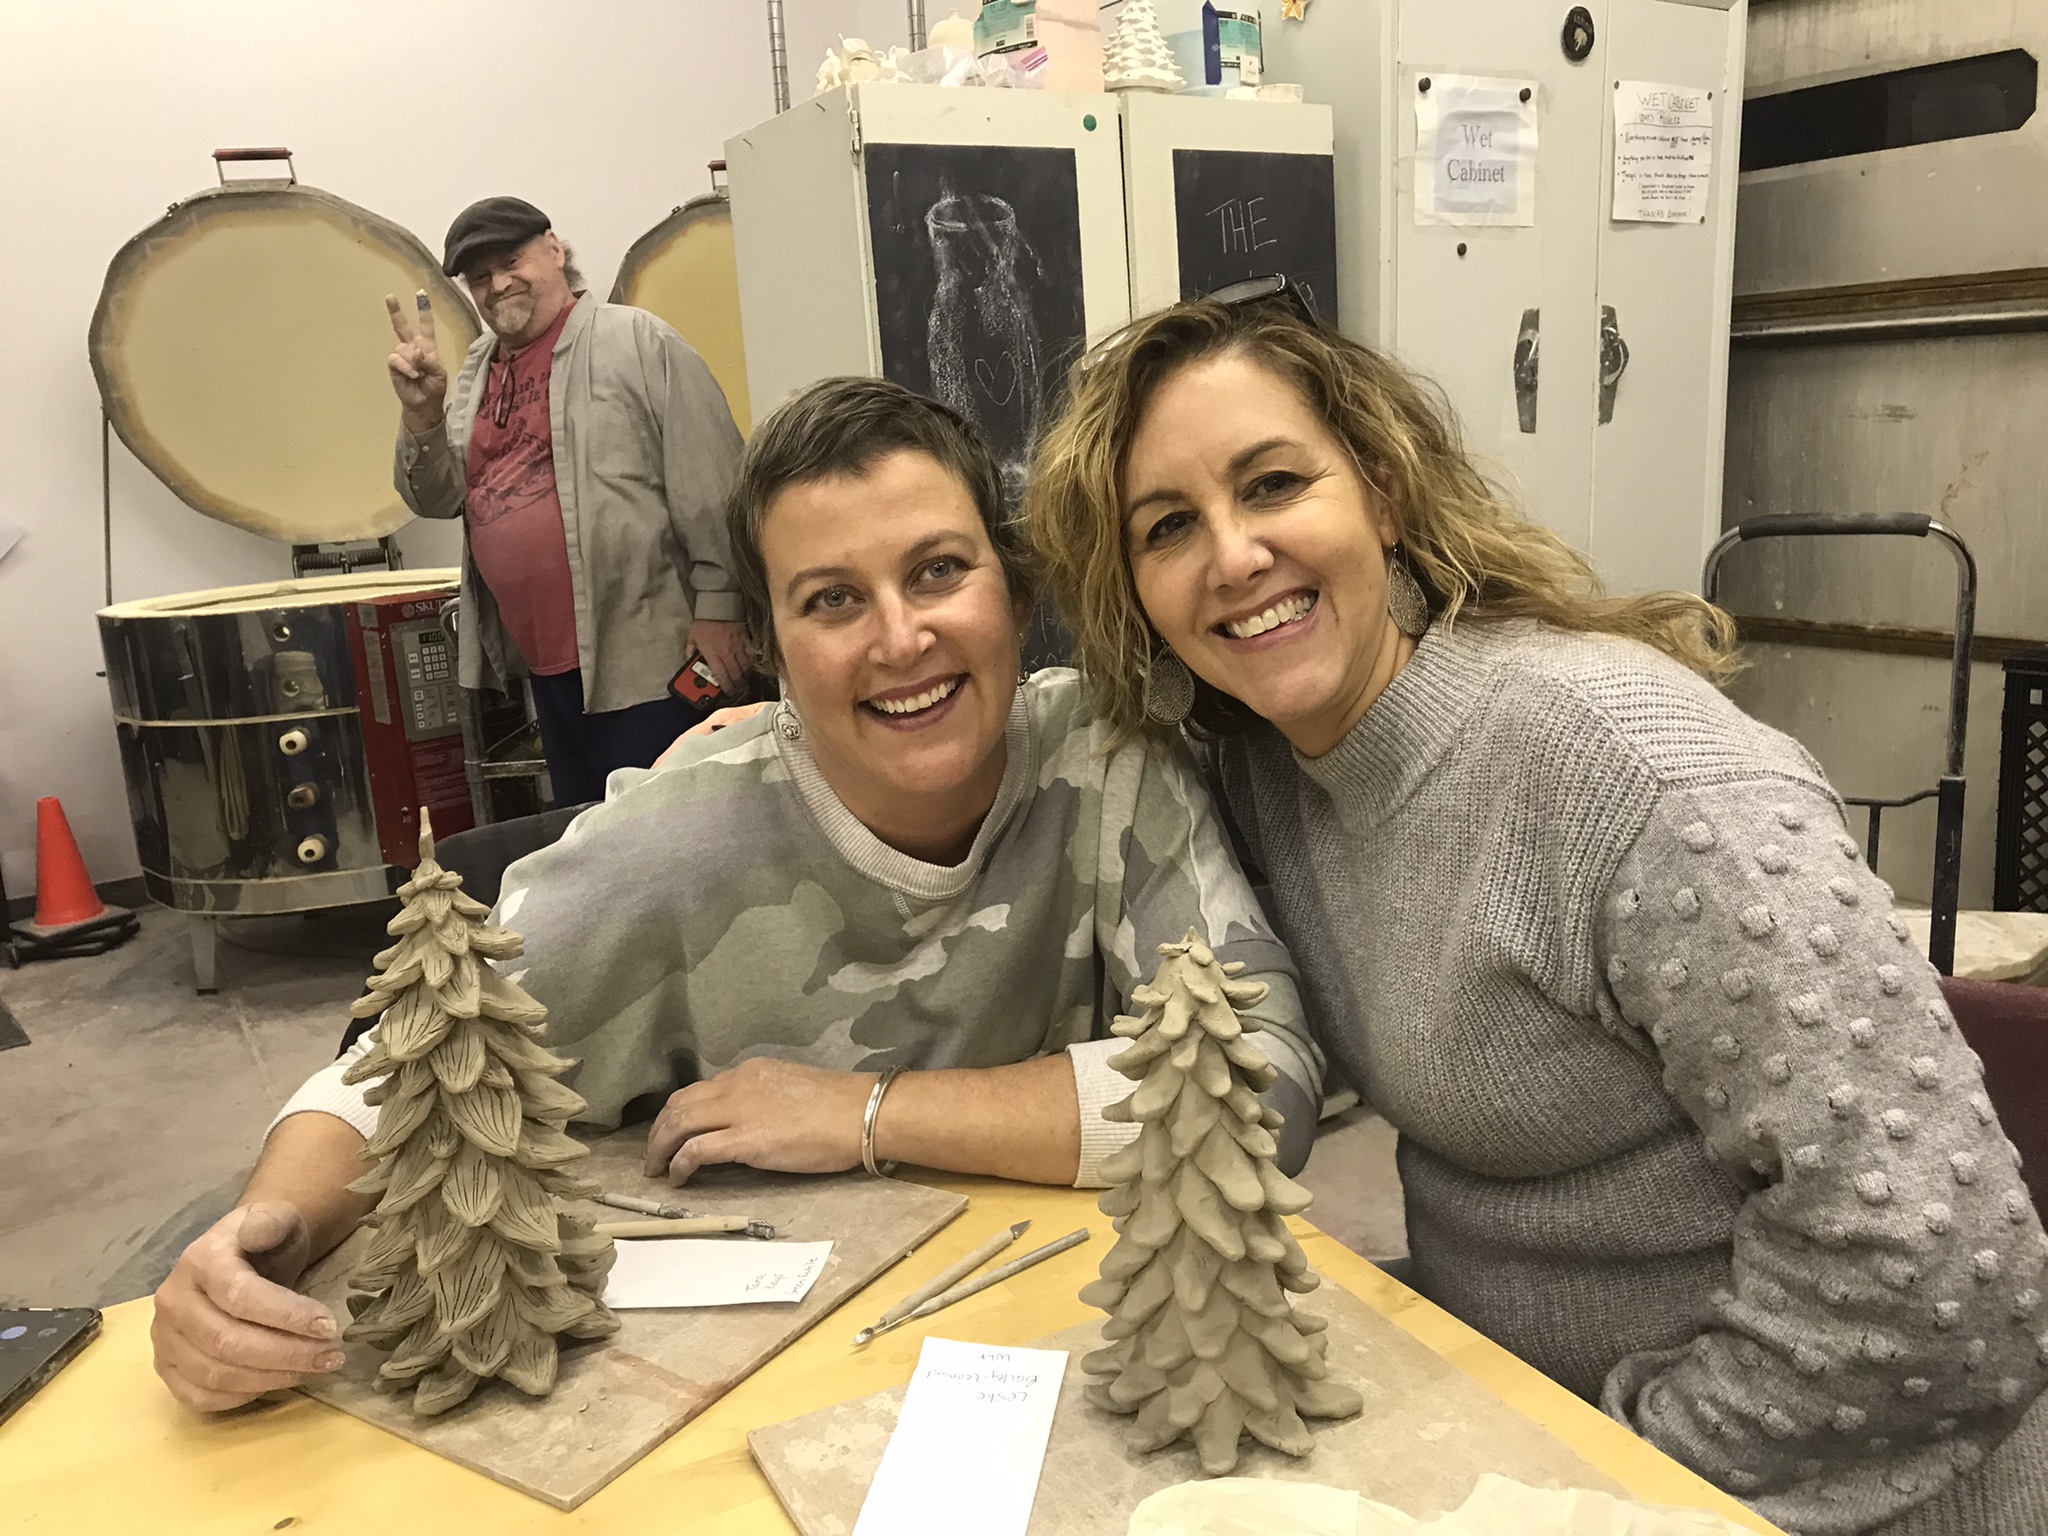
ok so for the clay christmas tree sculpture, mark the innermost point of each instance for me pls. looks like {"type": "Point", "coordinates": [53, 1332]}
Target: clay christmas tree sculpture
{"type": "Point", "coordinates": [1203, 1341]}
{"type": "Point", "coordinates": [1136, 57]}
{"type": "Point", "coordinates": [471, 1271]}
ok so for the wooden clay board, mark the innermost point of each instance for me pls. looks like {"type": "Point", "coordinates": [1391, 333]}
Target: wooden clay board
{"type": "Point", "coordinates": [618, 1399]}
{"type": "Point", "coordinates": [1427, 1432]}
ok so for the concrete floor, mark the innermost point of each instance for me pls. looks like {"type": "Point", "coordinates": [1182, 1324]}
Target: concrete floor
{"type": "Point", "coordinates": [131, 1118]}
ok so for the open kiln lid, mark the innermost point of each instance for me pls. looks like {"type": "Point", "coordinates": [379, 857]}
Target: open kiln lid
{"type": "Point", "coordinates": [684, 270]}
{"type": "Point", "coordinates": [239, 346]}
{"type": "Point", "coordinates": [297, 592]}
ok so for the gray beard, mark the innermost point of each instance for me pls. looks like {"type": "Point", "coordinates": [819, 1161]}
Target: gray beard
{"type": "Point", "coordinates": [510, 317]}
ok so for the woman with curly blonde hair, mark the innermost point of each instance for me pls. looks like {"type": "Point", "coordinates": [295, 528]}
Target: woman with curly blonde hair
{"type": "Point", "coordinates": [1684, 1120]}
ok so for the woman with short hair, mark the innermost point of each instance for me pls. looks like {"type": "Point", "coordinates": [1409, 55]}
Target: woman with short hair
{"type": "Point", "coordinates": [916, 863]}
{"type": "Point", "coordinates": [1684, 1119]}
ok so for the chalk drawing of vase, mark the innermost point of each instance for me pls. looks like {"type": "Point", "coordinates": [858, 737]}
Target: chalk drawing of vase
{"type": "Point", "coordinates": [982, 340]}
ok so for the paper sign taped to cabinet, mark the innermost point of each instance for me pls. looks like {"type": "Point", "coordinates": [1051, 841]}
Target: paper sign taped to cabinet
{"type": "Point", "coordinates": [1663, 153]}
{"type": "Point", "coordinates": [1475, 150]}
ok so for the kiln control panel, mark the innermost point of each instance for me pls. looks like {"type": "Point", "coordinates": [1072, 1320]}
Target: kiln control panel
{"type": "Point", "coordinates": [429, 696]}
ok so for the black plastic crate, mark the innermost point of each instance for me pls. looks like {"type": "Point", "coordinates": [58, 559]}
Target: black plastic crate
{"type": "Point", "coordinates": [2021, 883]}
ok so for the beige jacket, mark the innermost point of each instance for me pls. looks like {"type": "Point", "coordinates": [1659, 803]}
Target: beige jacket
{"type": "Point", "coordinates": [645, 450]}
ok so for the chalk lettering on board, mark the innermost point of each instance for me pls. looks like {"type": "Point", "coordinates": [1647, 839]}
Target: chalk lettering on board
{"type": "Point", "coordinates": [1241, 214]}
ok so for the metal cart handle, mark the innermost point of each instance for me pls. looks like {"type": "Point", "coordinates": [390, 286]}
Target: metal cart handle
{"type": "Point", "coordinates": [1781, 525]}
{"type": "Point", "coordinates": [1948, 831]}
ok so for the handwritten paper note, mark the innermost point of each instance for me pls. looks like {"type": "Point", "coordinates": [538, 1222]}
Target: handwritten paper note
{"type": "Point", "coordinates": [1663, 153]}
{"type": "Point", "coordinates": [712, 1272]}
{"type": "Point", "coordinates": [1475, 150]}
{"type": "Point", "coordinates": [969, 1444]}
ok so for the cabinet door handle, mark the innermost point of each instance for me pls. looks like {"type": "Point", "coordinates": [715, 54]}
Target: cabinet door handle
{"type": "Point", "coordinates": [1613, 360]}
{"type": "Point", "coordinates": [1528, 343]}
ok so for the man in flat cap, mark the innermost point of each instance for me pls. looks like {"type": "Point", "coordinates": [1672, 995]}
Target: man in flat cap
{"type": "Point", "coordinates": [588, 451]}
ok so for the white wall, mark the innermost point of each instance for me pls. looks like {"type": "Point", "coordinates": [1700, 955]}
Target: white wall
{"type": "Point", "coordinates": [602, 114]}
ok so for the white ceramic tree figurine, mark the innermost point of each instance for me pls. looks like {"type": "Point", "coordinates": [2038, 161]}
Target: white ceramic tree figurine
{"type": "Point", "coordinates": [1136, 57]}
{"type": "Point", "coordinates": [1203, 1341]}
{"type": "Point", "coordinates": [472, 1271]}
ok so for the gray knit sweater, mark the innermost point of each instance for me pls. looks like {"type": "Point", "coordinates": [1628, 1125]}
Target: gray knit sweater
{"type": "Point", "coordinates": [1684, 1120]}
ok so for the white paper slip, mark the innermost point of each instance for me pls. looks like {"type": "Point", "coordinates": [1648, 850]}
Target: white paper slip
{"type": "Point", "coordinates": [1663, 153]}
{"type": "Point", "coordinates": [711, 1272]}
{"type": "Point", "coordinates": [1475, 150]}
{"type": "Point", "coordinates": [969, 1444]}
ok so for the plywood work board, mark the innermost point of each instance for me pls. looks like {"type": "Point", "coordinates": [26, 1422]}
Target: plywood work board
{"type": "Point", "coordinates": [1427, 1432]}
{"type": "Point", "coordinates": [618, 1399]}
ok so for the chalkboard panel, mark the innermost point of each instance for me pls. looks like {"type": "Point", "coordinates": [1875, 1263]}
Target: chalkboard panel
{"type": "Point", "coordinates": [977, 253]}
{"type": "Point", "coordinates": [1242, 214]}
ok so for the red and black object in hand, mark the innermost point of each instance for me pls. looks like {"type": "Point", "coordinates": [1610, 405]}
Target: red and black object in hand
{"type": "Point", "coordinates": [695, 683]}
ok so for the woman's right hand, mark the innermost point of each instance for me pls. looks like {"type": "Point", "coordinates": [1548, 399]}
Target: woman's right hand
{"type": "Point", "coordinates": [228, 1327]}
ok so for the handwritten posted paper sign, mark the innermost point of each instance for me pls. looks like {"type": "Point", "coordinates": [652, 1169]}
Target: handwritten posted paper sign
{"type": "Point", "coordinates": [969, 1444]}
{"type": "Point", "coordinates": [1663, 153]}
{"type": "Point", "coordinates": [1475, 150]}
{"type": "Point", "coordinates": [712, 1272]}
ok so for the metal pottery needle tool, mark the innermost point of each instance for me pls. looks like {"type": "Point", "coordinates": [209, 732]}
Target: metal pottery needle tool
{"type": "Point", "coordinates": [979, 1283]}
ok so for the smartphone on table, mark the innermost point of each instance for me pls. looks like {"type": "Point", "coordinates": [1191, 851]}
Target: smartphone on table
{"type": "Point", "coordinates": [35, 1344]}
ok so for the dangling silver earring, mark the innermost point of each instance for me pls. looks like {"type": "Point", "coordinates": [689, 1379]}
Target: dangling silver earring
{"type": "Point", "coordinates": [1169, 689]}
{"type": "Point", "coordinates": [1406, 605]}
{"type": "Point", "coordinates": [787, 725]}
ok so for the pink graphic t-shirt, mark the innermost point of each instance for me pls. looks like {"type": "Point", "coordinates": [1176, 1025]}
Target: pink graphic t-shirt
{"type": "Point", "coordinates": [514, 508]}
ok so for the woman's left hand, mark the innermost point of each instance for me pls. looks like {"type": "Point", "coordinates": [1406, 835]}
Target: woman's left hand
{"type": "Point", "coordinates": [766, 1114]}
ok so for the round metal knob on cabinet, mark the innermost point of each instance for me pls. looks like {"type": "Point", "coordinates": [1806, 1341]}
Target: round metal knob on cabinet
{"type": "Point", "coordinates": [293, 742]}
{"type": "Point", "coordinates": [302, 796]}
{"type": "Point", "coordinates": [312, 849]}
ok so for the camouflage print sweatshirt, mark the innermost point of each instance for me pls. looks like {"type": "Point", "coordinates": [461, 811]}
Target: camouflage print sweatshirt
{"type": "Point", "coordinates": [728, 905]}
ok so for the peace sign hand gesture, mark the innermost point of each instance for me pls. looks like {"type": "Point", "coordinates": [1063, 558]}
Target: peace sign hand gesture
{"type": "Point", "coordinates": [417, 375]}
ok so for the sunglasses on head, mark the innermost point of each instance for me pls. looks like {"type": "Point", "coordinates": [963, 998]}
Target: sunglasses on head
{"type": "Point", "coordinates": [1273, 286]}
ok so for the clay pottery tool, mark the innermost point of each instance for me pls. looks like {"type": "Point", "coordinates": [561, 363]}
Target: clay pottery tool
{"type": "Point", "coordinates": [957, 1272]}
{"type": "Point", "coordinates": [981, 1283]}
{"type": "Point", "coordinates": [646, 1207]}
{"type": "Point", "coordinates": [685, 1226]}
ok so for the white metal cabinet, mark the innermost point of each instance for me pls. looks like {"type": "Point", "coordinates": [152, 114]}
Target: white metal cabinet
{"type": "Point", "coordinates": [966, 243]}
{"type": "Point", "coordinates": [1657, 464]}
{"type": "Point", "coordinates": [1641, 493]}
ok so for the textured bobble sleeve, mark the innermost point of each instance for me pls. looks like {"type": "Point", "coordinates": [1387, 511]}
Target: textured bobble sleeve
{"type": "Point", "coordinates": [1882, 1327]}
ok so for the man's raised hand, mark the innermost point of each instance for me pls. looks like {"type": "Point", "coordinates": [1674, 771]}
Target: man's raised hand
{"type": "Point", "coordinates": [417, 375]}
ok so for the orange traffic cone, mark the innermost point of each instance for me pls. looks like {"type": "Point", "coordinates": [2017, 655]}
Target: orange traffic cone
{"type": "Point", "coordinates": [70, 917]}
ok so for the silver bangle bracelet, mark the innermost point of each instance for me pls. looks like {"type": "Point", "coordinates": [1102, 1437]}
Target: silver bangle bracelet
{"type": "Point", "coordinates": [867, 1125]}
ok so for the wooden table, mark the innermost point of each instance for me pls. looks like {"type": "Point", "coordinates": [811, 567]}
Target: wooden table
{"type": "Point", "coordinates": [103, 1448]}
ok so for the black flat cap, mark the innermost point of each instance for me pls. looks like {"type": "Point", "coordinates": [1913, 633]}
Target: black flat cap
{"type": "Point", "coordinates": [496, 221]}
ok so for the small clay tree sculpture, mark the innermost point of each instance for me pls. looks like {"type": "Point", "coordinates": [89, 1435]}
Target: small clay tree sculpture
{"type": "Point", "coordinates": [1136, 57]}
{"type": "Point", "coordinates": [472, 1271]}
{"type": "Point", "coordinates": [1203, 1340]}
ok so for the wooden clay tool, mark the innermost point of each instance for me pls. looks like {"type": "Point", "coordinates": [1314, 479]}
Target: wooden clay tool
{"type": "Point", "coordinates": [646, 1207]}
{"type": "Point", "coordinates": [981, 1283]}
{"type": "Point", "coordinates": [684, 1226]}
{"type": "Point", "coordinates": [957, 1272]}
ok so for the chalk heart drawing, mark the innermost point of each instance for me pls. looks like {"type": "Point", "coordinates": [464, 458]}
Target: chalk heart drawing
{"type": "Point", "coordinates": [982, 338]}
{"type": "Point", "coordinates": [988, 378]}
